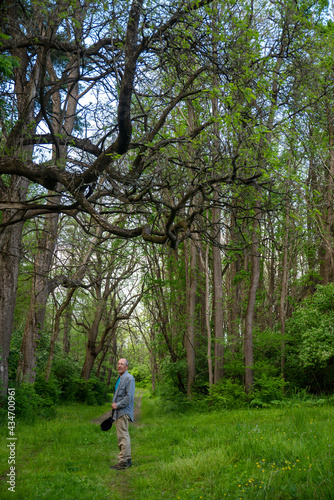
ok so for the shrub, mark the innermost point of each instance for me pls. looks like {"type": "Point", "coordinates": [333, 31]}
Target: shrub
{"type": "Point", "coordinates": [48, 390]}
{"type": "Point", "coordinates": [90, 391]}
{"type": "Point", "coordinates": [313, 322]}
{"type": "Point", "coordinates": [142, 375]}
{"type": "Point", "coordinates": [29, 404]}
{"type": "Point", "coordinates": [64, 370]}
{"type": "Point", "coordinates": [227, 394]}
{"type": "Point", "coordinates": [267, 391]}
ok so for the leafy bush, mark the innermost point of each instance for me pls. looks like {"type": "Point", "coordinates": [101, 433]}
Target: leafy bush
{"type": "Point", "coordinates": [90, 391]}
{"type": "Point", "coordinates": [171, 395]}
{"type": "Point", "coordinates": [172, 378]}
{"type": "Point", "coordinates": [313, 324]}
{"type": "Point", "coordinates": [29, 404]}
{"type": "Point", "coordinates": [267, 391]}
{"type": "Point", "coordinates": [142, 375]}
{"type": "Point", "coordinates": [66, 372]}
{"type": "Point", "coordinates": [227, 394]}
{"type": "Point", "coordinates": [65, 369]}
{"type": "Point", "coordinates": [48, 390]}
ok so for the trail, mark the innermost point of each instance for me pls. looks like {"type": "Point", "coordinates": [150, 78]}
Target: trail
{"type": "Point", "coordinates": [119, 479]}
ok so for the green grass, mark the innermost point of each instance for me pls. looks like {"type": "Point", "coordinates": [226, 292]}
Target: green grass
{"type": "Point", "coordinates": [278, 453]}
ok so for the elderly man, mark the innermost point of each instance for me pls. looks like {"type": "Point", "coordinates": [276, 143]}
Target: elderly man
{"type": "Point", "coordinates": [123, 405]}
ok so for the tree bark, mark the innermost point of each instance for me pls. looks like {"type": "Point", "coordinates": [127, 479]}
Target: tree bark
{"type": "Point", "coordinates": [218, 316]}
{"type": "Point", "coordinates": [10, 252]}
{"type": "Point", "coordinates": [26, 370]}
{"type": "Point", "coordinates": [284, 289]}
{"type": "Point", "coordinates": [67, 330]}
{"type": "Point", "coordinates": [329, 229]}
{"type": "Point", "coordinates": [254, 283]}
{"type": "Point", "coordinates": [205, 265]}
{"type": "Point", "coordinates": [189, 340]}
{"type": "Point", "coordinates": [91, 346]}
{"type": "Point", "coordinates": [55, 332]}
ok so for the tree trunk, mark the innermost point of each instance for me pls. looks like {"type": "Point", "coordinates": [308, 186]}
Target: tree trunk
{"type": "Point", "coordinates": [235, 293]}
{"type": "Point", "coordinates": [284, 289]}
{"type": "Point", "coordinates": [55, 332]}
{"type": "Point", "coordinates": [218, 317]}
{"type": "Point", "coordinates": [67, 330]}
{"type": "Point", "coordinates": [329, 253]}
{"type": "Point", "coordinates": [189, 339]}
{"type": "Point", "coordinates": [91, 347]}
{"type": "Point", "coordinates": [10, 252]}
{"type": "Point", "coordinates": [207, 318]}
{"type": "Point", "coordinates": [90, 358]}
{"type": "Point", "coordinates": [26, 370]}
{"type": "Point", "coordinates": [254, 283]}
{"type": "Point", "coordinates": [271, 277]}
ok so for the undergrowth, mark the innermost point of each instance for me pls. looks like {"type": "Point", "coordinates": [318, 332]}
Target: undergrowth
{"type": "Point", "coordinates": [282, 452]}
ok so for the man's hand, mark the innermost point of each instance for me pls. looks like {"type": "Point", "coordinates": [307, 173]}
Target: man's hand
{"type": "Point", "coordinates": [114, 406]}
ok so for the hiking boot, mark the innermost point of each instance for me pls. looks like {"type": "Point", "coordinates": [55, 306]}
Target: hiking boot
{"type": "Point", "coordinates": [122, 465]}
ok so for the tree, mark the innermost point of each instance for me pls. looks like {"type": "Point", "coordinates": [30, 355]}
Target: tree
{"type": "Point", "coordinates": [178, 123]}
{"type": "Point", "coordinates": [92, 170]}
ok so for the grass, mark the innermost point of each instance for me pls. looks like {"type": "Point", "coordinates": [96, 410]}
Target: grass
{"type": "Point", "coordinates": [277, 453]}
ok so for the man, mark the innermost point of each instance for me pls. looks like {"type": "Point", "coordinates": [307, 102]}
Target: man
{"type": "Point", "coordinates": [123, 405]}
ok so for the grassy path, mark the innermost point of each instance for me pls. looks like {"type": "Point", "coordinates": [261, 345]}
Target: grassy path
{"type": "Point", "coordinates": [280, 453]}
{"type": "Point", "coordinates": [120, 481]}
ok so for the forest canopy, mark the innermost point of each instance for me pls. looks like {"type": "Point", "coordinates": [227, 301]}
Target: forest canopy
{"type": "Point", "coordinates": [166, 191]}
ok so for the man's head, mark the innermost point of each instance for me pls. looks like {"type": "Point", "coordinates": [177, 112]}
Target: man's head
{"type": "Point", "coordinates": [122, 366]}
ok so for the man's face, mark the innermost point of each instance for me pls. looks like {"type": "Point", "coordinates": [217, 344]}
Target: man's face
{"type": "Point", "coordinates": [121, 367]}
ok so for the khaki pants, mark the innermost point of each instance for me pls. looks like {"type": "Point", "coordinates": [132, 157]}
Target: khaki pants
{"type": "Point", "coordinates": [123, 438]}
